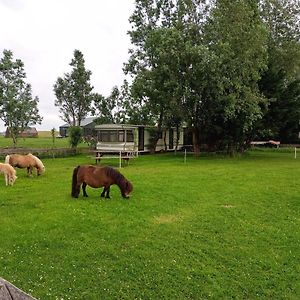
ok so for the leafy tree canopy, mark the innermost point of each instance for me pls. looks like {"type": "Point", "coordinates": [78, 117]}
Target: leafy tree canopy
{"type": "Point", "coordinates": [18, 108]}
{"type": "Point", "coordinates": [280, 83]}
{"type": "Point", "coordinates": [74, 92]}
{"type": "Point", "coordinates": [199, 63]}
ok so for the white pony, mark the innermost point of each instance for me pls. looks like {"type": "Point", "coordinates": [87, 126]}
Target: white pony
{"type": "Point", "coordinates": [9, 173]}
{"type": "Point", "coordinates": [28, 161]}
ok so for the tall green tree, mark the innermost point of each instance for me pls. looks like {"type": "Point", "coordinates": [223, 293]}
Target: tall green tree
{"type": "Point", "coordinates": [18, 108]}
{"type": "Point", "coordinates": [133, 109]}
{"type": "Point", "coordinates": [73, 92]}
{"type": "Point", "coordinates": [205, 59]}
{"type": "Point", "coordinates": [281, 81]}
{"type": "Point", "coordinates": [108, 109]}
{"type": "Point", "coordinates": [155, 63]}
{"type": "Point", "coordinates": [237, 36]}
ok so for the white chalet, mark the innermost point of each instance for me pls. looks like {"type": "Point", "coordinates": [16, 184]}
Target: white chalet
{"type": "Point", "coordinates": [134, 138]}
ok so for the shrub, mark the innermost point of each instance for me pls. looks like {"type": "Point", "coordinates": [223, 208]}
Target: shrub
{"type": "Point", "coordinates": [75, 136]}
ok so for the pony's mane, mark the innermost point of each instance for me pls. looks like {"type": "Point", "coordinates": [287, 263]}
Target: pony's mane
{"type": "Point", "coordinates": [116, 175]}
{"type": "Point", "coordinates": [38, 161]}
{"type": "Point", "coordinates": [120, 180]}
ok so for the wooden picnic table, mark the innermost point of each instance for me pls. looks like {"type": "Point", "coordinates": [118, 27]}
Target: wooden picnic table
{"type": "Point", "coordinates": [109, 154]}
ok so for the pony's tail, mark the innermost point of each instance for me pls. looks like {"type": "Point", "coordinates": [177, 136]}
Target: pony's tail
{"type": "Point", "coordinates": [7, 157]}
{"type": "Point", "coordinates": [74, 192]}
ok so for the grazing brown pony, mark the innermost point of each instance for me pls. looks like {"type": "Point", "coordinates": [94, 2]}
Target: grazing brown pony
{"type": "Point", "coordinates": [9, 173]}
{"type": "Point", "coordinates": [97, 177]}
{"type": "Point", "coordinates": [28, 161]}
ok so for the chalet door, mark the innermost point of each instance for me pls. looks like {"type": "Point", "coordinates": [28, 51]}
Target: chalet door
{"type": "Point", "coordinates": [141, 139]}
{"type": "Point", "coordinates": [171, 139]}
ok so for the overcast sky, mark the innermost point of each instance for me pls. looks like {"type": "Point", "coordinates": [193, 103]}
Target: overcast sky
{"type": "Point", "coordinates": [45, 33]}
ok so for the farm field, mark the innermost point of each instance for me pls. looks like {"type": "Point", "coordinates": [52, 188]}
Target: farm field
{"type": "Point", "coordinates": [43, 141]}
{"type": "Point", "coordinates": [213, 227]}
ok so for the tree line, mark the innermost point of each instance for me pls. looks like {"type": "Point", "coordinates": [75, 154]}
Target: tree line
{"type": "Point", "coordinates": [226, 70]}
{"type": "Point", "coordinates": [229, 70]}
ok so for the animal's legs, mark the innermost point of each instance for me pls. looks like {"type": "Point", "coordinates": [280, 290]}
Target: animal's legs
{"type": "Point", "coordinates": [84, 189]}
{"type": "Point", "coordinates": [77, 191]}
{"type": "Point", "coordinates": [6, 179]}
{"type": "Point", "coordinates": [107, 192]}
{"type": "Point", "coordinates": [29, 171]}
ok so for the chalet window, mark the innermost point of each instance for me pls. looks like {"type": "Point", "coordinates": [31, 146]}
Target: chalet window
{"type": "Point", "coordinates": [103, 136]}
{"type": "Point", "coordinates": [115, 136]}
{"type": "Point", "coordinates": [129, 136]}
{"type": "Point", "coordinates": [121, 135]}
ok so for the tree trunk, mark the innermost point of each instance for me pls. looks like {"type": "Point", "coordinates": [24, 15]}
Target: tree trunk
{"type": "Point", "coordinates": [13, 135]}
{"type": "Point", "coordinates": [165, 140]}
{"type": "Point", "coordinates": [155, 137]}
{"type": "Point", "coordinates": [14, 141]}
{"type": "Point", "coordinates": [231, 148]}
{"type": "Point", "coordinates": [154, 141]}
{"type": "Point", "coordinates": [196, 141]}
{"type": "Point", "coordinates": [177, 137]}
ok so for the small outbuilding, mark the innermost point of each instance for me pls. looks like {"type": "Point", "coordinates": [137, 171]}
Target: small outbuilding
{"type": "Point", "coordinates": [87, 125]}
{"type": "Point", "coordinates": [29, 132]}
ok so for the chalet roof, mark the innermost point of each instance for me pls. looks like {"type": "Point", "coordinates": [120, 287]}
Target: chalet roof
{"type": "Point", "coordinates": [84, 122]}
{"type": "Point", "coordinates": [116, 126]}
{"type": "Point", "coordinates": [111, 126]}
{"type": "Point", "coordinates": [27, 130]}
{"type": "Point", "coordinates": [30, 130]}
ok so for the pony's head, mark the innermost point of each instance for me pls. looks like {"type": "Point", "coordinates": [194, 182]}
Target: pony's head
{"type": "Point", "coordinates": [126, 189]}
{"type": "Point", "coordinates": [117, 178]}
{"type": "Point", "coordinates": [12, 178]}
{"type": "Point", "coordinates": [39, 165]}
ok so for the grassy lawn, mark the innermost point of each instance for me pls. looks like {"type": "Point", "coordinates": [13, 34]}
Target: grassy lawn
{"type": "Point", "coordinates": [212, 227]}
{"type": "Point", "coordinates": [43, 141]}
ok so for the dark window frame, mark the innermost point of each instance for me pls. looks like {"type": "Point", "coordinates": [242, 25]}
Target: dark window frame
{"type": "Point", "coordinates": [115, 136]}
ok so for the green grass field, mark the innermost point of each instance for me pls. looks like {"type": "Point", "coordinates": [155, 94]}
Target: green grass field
{"type": "Point", "coordinates": [210, 228]}
{"type": "Point", "coordinates": [43, 141]}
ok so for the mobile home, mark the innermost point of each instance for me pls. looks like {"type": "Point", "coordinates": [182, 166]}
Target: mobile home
{"type": "Point", "coordinates": [134, 138]}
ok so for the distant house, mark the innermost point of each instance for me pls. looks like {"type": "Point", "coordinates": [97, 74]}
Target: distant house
{"type": "Point", "coordinates": [87, 125]}
{"type": "Point", "coordinates": [26, 133]}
